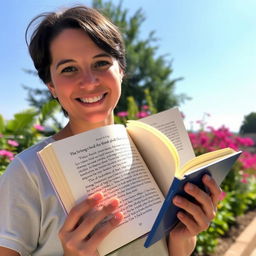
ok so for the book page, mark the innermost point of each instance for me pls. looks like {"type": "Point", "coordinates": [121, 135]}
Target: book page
{"type": "Point", "coordinates": [170, 123]}
{"type": "Point", "coordinates": [106, 160]}
{"type": "Point", "coordinates": [204, 160]}
{"type": "Point", "coordinates": [158, 152]}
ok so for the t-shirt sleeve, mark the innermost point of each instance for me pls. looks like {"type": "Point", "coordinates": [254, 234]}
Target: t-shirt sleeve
{"type": "Point", "coordinates": [20, 209]}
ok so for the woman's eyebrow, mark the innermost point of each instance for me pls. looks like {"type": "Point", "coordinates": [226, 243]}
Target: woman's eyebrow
{"type": "Point", "coordinates": [102, 55]}
{"type": "Point", "coordinates": [61, 62]}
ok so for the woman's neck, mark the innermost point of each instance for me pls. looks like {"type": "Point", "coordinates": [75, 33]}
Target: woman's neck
{"type": "Point", "coordinates": [73, 128]}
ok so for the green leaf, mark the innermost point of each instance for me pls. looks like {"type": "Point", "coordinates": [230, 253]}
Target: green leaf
{"type": "Point", "coordinates": [132, 108]}
{"type": "Point", "coordinates": [48, 109]}
{"type": "Point", "coordinates": [22, 122]}
{"type": "Point", "coordinates": [1, 124]}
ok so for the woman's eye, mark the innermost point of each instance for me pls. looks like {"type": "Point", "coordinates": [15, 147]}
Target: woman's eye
{"type": "Point", "coordinates": [69, 69]}
{"type": "Point", "coordinates": [101, 64]}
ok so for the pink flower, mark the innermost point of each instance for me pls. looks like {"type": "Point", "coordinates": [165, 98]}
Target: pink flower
{"type": "Point", "coordinates": [222, 195]}
{"type": "Point", "coordinates": [13, 143]}
{"type": "Point", "coordinates": [246, 175]}
{"type": "Point", "coordinates": [122, 114]}
{"type": "Point", "coordinates": [1, 135]}
{"type": "Point", "coordinates": [245, 141]}
{"type": "Point", "coordinates": [192, 137]}
{"type": "Point", "coordinates": [142, 114]}
{"type": "Point", "coordinates": [248, 160]}
{"type": "Point", "coordinates": [244, 180]}
{"type": "Point", "coordinates": [204, 139]}
{"type": "Point", "coordinates": [6, 153]}
{"type": "Point", "coordinates": [145, 107]}
{"type": "Point", "coordinates": [39, 127]}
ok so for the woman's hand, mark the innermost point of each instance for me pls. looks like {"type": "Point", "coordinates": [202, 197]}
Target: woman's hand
{"type": "Point", "coordinates": [81, 221]}
{"type": "Point", "coordinates": [195, 218]}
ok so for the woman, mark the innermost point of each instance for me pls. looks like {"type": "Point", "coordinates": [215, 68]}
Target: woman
{"type": "Point", "coordinates": [80, 56]}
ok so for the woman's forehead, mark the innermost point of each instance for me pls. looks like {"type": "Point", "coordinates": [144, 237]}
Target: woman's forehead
{"type": "Point", "coordinates": [73, 41]}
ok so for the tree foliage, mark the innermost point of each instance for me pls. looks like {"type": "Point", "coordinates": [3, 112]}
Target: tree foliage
{"type": "Point", "coordinates": [145, 70]}
{"type": "Point", "coordinates": [249, 124]}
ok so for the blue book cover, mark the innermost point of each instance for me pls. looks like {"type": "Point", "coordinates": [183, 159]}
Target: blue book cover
{"type": "Point", "coordinates": [167, 216]}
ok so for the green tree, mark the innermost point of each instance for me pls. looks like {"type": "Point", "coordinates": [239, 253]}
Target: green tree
{"type": "Point", "coordinates": [249, 124]}
{"type": "Point", "coordinates": [145, 70]}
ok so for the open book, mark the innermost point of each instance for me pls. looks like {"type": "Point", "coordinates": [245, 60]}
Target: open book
{"type": "Point", "coordinates": [141, 164]}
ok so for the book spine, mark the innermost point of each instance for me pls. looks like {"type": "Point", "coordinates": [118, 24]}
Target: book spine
{"type": "Point", "coordinates": [166, 219]}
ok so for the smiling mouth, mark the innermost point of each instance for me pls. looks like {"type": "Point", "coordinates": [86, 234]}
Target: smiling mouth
{"type": "Point", "coordinates": [92, 99]}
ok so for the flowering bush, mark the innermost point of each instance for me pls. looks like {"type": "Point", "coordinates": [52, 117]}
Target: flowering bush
{"type": "Point", "coordinates": [134, 111]}
{"type": "Point", "coordinates": [11, 144]}
{"type": "Point", "coordinates": [6, 157]}
{"type": "Point", "coordinates": [239, 188]}
{"type": "Point", "coordinates": [123, 116]}
{"type": "Point", "coordinates": [24, 130]}
{"type": "Point", "coordinates": [205, 141]}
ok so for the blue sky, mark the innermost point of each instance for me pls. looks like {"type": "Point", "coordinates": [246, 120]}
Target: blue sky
{"type": "Point", "coordinates": [212, 45]}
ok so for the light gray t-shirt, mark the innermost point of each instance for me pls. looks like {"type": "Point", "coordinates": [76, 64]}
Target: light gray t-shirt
{"type": "Point", "coordinates": [31, 215]}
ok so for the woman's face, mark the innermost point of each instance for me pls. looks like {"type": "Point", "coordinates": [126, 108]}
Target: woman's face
{"type": "Point", "coordinates": [86, 79]}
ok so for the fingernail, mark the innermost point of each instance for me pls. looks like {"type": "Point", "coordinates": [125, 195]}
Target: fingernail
{"type": "Point", "coordinates": [118, 216]}
{"type": "Point", "coordinates": [178, 200]}
{"type": "Point", "coordinates": [98, 196]}
{"type": "Point", "coordinates": [190, 186]}
{"type": "Point", "coordinates": [207, 177]}
{"type": "Point", "coordinates": [180, 215]}
{"type": "Point", "coordinates": [114, 203]}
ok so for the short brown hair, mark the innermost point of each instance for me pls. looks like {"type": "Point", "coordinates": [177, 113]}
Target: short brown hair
{"type": "Point", "coordinates": [102, 32]}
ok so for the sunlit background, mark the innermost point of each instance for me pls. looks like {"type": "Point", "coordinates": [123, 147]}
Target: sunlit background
{"type": "Point", "coordinates": [212, 45]}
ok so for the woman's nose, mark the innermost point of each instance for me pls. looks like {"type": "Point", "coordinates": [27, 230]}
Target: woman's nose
{"type": "Point", "coordinates": [89, 78]}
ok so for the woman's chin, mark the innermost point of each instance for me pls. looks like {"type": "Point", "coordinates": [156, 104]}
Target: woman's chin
{"type": "Point", "coordinates": [103, 119]}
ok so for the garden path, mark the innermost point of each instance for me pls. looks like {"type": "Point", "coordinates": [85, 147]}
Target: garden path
{"type": "Point", "coordinates": [245, 244]}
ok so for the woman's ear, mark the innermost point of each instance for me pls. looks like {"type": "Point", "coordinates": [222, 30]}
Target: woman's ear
{"type": "Point", "coordinates": [52, 89]}
{"type": "Point", "coordinates": [121, 75]}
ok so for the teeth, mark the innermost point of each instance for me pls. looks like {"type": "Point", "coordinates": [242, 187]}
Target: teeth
{"type": "Point", "coordinates": [91, 100]}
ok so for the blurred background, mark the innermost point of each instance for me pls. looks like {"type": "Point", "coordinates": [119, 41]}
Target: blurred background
{"type": "Point", "coordinates": [208, 45]}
